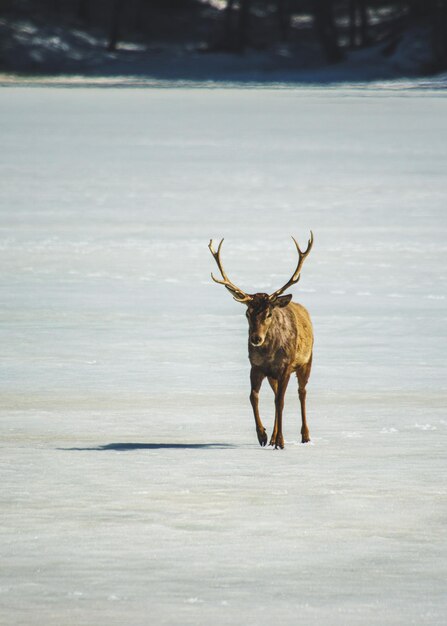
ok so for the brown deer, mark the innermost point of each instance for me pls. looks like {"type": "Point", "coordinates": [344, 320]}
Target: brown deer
{"type": "Point", "coordinates": [280, 341]}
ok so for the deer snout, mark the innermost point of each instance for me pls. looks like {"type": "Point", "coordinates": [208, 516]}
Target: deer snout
{"type": "Point", "coordinates": [256, 340]}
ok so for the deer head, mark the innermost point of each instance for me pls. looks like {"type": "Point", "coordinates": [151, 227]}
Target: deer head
{"type": "Point", "coordinates": [260, 306]}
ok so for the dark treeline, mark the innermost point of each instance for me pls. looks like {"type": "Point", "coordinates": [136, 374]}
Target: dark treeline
{"type": "Point", "coordinates": [236, 25]}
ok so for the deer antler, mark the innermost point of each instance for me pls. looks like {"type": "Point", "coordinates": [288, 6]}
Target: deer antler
{"type": "Point", "coordinates": [296, 275]}
{"type": "Point", "coordinates": [238, 294]}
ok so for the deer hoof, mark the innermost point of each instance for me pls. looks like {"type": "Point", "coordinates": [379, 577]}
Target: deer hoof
{"type": "Point", "coordinates": [262, 437]}
{"type": "Point", "coordinates": [305, 437]}
{"type": "Point", "coordinates": [279, 443]}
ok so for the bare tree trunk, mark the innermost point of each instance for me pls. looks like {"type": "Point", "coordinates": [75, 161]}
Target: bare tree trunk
{"type": "Point", "coordinates": [283, 18]}
{"type": "Point", "coordinates": [326, 30]}
{"type": "Point", "coordinates": [364, 38]}
{"type": "Point", "coordinates": [439, 37]}
{"type": "Point", "coordinates": [138, 15]}
{"type": "Point", "coordinates": [83, 11]}
{"type": "Point", "coordinates": [244, 24]}
{"type": "Point", "coordinates": [358, 23]}
{"type": "Point", "coordinates": [229, 31]}
{"type": "Point", "coordinates": [117, 12]}
{"type": "Point", "coordinates": [352, 9]}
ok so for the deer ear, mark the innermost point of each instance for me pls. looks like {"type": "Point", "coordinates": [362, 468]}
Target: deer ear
{"type": "Point", "coordinates": [282, 300]}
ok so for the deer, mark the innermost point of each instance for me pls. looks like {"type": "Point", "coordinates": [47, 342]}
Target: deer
{"type": "Point", "coordinates": [280, 342]}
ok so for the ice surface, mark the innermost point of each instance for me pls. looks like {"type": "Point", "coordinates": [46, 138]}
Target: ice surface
{"type": "Point", "coordinates": [133, 488]}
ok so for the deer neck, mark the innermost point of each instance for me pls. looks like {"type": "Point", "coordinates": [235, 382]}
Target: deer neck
{"type": "Point", "coordinates": [278, 342]}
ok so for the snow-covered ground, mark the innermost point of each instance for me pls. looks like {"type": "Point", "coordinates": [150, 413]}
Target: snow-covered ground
{"type": "Point", "coordinates": [133, 490]}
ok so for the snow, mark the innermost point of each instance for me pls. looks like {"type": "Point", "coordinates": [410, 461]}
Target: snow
{"type": "Point", "coordinates": [133, 487]}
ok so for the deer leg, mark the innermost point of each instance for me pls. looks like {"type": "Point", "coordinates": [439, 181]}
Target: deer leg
{"type": "Point", "coordinates": [303, 376]}
{"type": "Point", "coordinates": [274, 385]}
{"type": "Point", "coordinates": [256, 378]}
{"type": "Point", "coordinates": [279, 405]}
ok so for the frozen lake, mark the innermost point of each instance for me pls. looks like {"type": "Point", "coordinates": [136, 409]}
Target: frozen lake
{"type": "Point", "coordinates": [133, 487]}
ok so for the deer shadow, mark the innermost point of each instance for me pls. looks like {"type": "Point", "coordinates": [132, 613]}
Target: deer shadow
{"type": "Point", "coordinates": [129, 447]}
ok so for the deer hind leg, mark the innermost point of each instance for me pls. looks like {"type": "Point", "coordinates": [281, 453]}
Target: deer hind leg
{"type": "Point", "coordinates": [256, 378]}
{"type": "Point", "coordinates": [303, 374]}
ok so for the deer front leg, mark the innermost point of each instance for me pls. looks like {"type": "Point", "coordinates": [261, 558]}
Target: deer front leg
{"type": "Point", "coordinates": [274, 385]}
{"type": "Point", "coordinates": [256, 378]}
{"type": "Point", "coordinates": [278, 441]}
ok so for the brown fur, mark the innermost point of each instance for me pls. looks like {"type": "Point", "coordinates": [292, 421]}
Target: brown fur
{"type": "Point", "coordinates": [286, 348]}
{"type": "Point", "coordinates": [280, 342]}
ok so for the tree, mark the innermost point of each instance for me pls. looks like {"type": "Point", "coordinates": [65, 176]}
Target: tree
{"type": "Point", "coordinates": [439, 36]}
{"type": "Point", "coordinates": [326, 30]}
{"type": "Point", "coordinates": [283, 11]}
{"type": "Point", "coordinates": [83, 10]}
{"type": "Point", "coordinates": [358, 23]}
{"type": "Point", "coordinates": [244, 24]}
{"type": "Point", "coordinates": [117, 12]}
